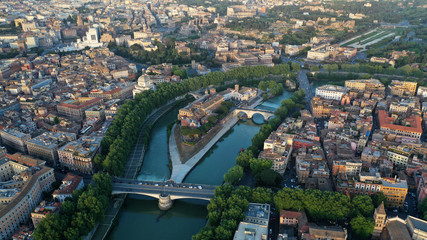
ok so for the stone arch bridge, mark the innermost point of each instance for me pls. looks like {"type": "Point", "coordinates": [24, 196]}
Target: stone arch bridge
{"type": "Point", "coordinates": [251, 112]}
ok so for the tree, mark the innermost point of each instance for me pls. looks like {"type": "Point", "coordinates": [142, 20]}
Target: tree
{"type": "Point", "coordinates": [258, 165]}
{"type": "Point", "coordinates": [243, 158]}
{"type": "Point", "coordinates": [234, 174]}
{"type": "Point", "coordinates": [295, 67]}
{"type": "Point", "coordinates": [261, 195]}
{"type": "Point", "coordinates": [362, 205]}
{"type": "Point", "coordinates": [51, 228]}
{"type": "Point", "coordinates": [268, 177]}
{"type": "Point", "coordinates": [362, 227]}
{"type": "Point", "coordinates": [378, 198]}
{"type": "Point", "coordinates": [56, 120]}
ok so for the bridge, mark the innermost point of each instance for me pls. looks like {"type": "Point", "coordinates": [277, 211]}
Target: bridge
{"type": "Point", "coordinates": [251, 112]}
{"type": "Point", "coordinates": [166, 192]}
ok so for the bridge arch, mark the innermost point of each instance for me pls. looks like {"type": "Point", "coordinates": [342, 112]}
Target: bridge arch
{"type": "Point", "coordinates": [250, 113]}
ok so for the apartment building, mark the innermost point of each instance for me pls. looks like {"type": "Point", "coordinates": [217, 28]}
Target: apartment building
{"type": "Point", "coordinates": [365, 84]}
{"type": "Point", "coordinates": [413, 128]}
{"type": "Point", "coordinates": [78, 155]}
{"type": "Point", "coordinates": [45, 146]}
{"type": "Point", "coordinates": [402, 88]}
{"type": "Point", "coordinates": [69, 184]}
{"type": "Point", "coordinates": [21, 195]}
{"type": "Point", "coordinates": [15, 139]}
{"type": "Point", "coordinates": [398, 155]}
{"type": "Point", "coordinates": [76, 108]}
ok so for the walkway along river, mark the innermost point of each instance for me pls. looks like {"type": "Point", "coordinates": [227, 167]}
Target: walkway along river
{"type": "Point", "coordinates": [140, 217]}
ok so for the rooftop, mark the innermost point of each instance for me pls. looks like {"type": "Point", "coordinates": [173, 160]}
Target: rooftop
{"type": "Point", "coordinates": [258, 211]}
{"type": "Point", "coordinates": [69, 184]}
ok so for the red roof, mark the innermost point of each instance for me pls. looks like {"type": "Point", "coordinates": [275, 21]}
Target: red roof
{"type": "Point", "coordinates": [69, 189]}
{"type": "Point", "coordinates": [291, 214]}
{"type": "Point", "coordinates": [82, 105]}
{"type": "Point", "coordinates": [387, 122]}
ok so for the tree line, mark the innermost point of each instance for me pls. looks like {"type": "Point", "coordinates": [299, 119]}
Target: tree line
{"type": "Point", "coordinates": [121, 135]}
{"type": "Point", "coordinates": [227, 208]}
{"type": "Point", "coordinates": [374, 69]}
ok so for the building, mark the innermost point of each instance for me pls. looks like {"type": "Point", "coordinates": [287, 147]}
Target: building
{"type": "Point", "coordinates": [417, 228]}
{"type": "Point", "coordinates": [319, 53]}
{"type": "Point", "coordinates": [370, 183]}
{"type": "Point", "coordinates": [251, 231]}
{"type": "Point", "coordinates": [402, 88]}
{"type": "Point", "coordinates": [42, 210]}
{"type": "Point", "coordinates": [240, 11]}
{"type": "Point", "coordinates": [395, 229]}
{"type": "Point", "coordinates": [15, 139]}
{"type": "Point", "coordinates": [325, 232]}
{"type": "Point", "coordinates": [395, 190]}
{"type": "Point", "coordinates": [69, 184]}
{"type": "Point", "coordinates": [144, 84]}
{"type": "Point", "coordinates": [380, 217]}
{"type": "Point", "coordinates": [290, 218]}
{"type": "Point", "coordinates": [413, 128]}
{"type": "Point", "coordinates": [45, 146]}
{"type": "Point", "coordinates": [321, 108]}
{"type": "Point", "coordinates": [78, 155]}
{"type": "Point", "coordinates": [21, 194]}
{"type": "Point", "coordinates": [330, 92]}
{"type": "Point", "coordinates": [76, 108]}
{"type": "Point", "coordinates": [255, 224]}
{"type": "Point", "coordinates": [346, 167]}
{"type": "Point", "coordinates": [422, 91]}
{"type": "Point", "coordinates": [365, 84]}
{"type": "Point", "coordinates": [258, 214]}
{"type": "Point", "coordinates": [90, 40]}
{"type": "Point", "coordinates": [398, 155]}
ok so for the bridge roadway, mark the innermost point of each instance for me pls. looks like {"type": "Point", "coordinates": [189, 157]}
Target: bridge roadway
{"type": "Point", "coordinates": [168, 188]}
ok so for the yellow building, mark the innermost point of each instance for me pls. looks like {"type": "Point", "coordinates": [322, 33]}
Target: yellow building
{"type": "Point", "coordinates": [395, 190]}
{"type": "Point", "coordinates": [365, 84]}
{"type": "Point", "coordinates": [402, 88]}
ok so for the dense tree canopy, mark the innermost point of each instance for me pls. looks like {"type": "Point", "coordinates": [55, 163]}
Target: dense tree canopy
{"type": "Point", "coordinates": [78, 215]}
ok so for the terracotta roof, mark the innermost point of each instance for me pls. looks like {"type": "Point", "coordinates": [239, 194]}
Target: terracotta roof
{"type": "Point", "coordinates": [69, 189]}
{"type": "Point", "coordinates": [291, 214]}
{"type": "Point", "coordinates": [82, 105]}
{"type": "Point", "coordinates": [387, 122]}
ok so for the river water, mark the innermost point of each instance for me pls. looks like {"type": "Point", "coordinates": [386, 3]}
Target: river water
{"type": "Point", "coordinates": [140, 217]}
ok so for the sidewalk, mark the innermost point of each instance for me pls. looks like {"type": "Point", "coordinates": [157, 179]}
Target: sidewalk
{"type": "Point", "coordinates": [179, 170]}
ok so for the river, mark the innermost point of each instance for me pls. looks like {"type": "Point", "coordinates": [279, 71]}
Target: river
{"type": "Point", "coordinates": [140, 217]}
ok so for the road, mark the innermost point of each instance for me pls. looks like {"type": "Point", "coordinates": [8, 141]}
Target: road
{"type": "Point", "coordinates": [305, 84]}
{"type": "Point", "coordinates": [167, 188]}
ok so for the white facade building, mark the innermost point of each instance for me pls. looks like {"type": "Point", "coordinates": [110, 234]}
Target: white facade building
{"type": "Point", "coordinates": [330, 92]}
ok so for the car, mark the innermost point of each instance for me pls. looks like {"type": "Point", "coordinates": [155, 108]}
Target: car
{"type": "Point", "coordinates": [395, 210]}
{"type": "Point", "coordinates": [140, 183]}
{"type": "Point", "coordinates": [166, 185]}
{"type": "Point", "coordinates": [156, 184]}
{"type": "Point", "coordinates": [190, 187]}
{"type": "Point", "coordinates": [199, 187]}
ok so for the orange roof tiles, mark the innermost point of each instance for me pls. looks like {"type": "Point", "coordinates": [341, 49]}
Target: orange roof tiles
{"type": "Point", "coordinates": [387, 122]}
